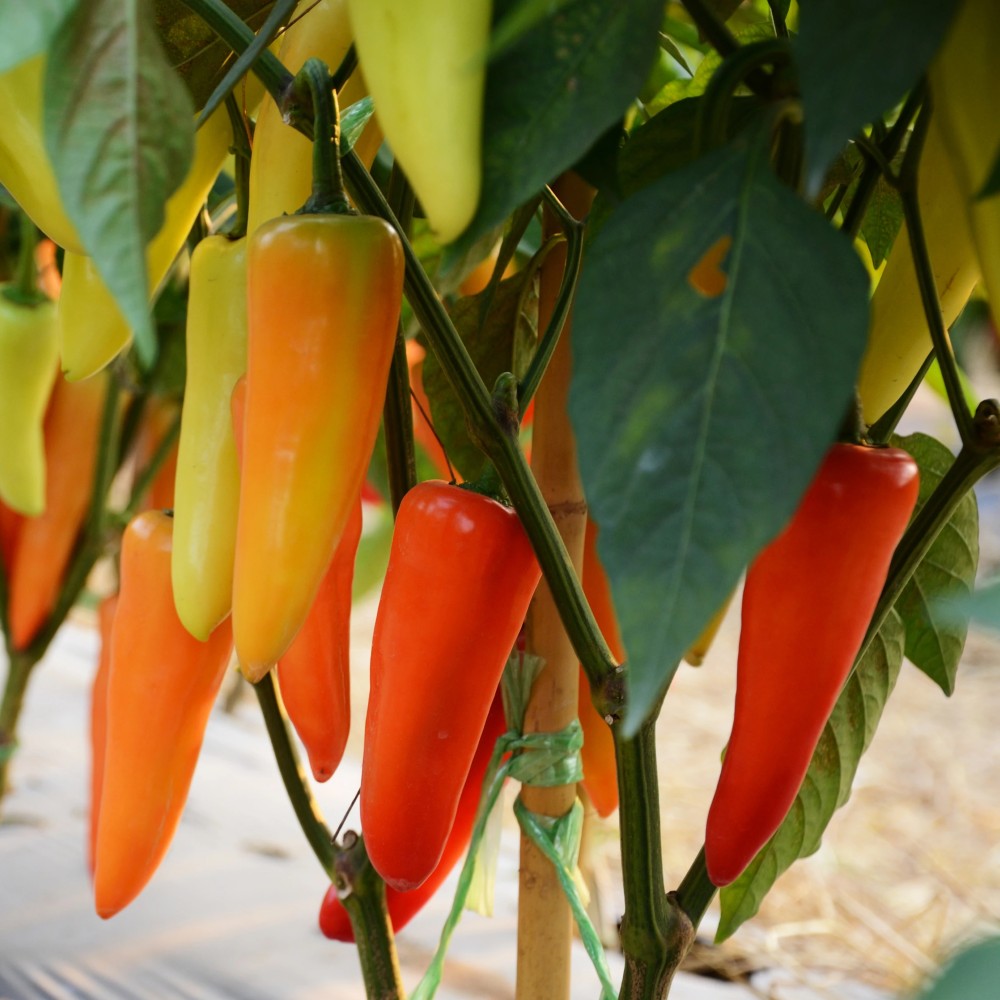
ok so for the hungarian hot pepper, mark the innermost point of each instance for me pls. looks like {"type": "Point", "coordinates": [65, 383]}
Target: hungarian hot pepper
{"type": "Point", "coordinates": [433, 126]}
{"type": "Point", "coordinates": [29, 351]}
{"type": "Point", "coordinates": [25, 169]}
{"type": "Point", "coordinates": [807, 602]}
{"type": "Point", "coordinates": [334, 921]}
{"type": "Point", "coordinates": [44, 544]}
{"type": "Point", "coordinates": [162, 684]}
{"type": "Point", "coordinates": [92, 329]}
{"type": "Point", "coordinates": [460, 577]}
{"type": "Point", "coordinates": [324, 294]}
{"type": "Point", "coordinates": [964, 82]}
{"type": "Point", "coordinates": [281, 165]}
{"type": "Point", "coordinates": [99, 719]}
{"type": "Point", "coordinates": [207, 484]}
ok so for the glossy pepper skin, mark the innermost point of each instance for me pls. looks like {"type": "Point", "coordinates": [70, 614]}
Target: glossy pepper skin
{"type": "Point", "coordinates": [404, 906]}
{"type": "Point", "coordinates": [25, 169]}
{"type": "Point", "coordinates": [964, 83]}
{"type": "Point", "coordinates": [460, 576]}
{"type": "Point", "coordinates": [92, 329]}
{"type": "Point", "coordinates": [899, 338]}
{"type": "Point", "coordinates": [162, 684]}
{"type": "Point", "coordinates": [207, 485]}
{"type": "Point", "coordinates": [29, 351]}
{"type": "Point", "coordinates": [44, 544]}
{"type": "Point", "coordinates": [324, 293]}
{"type": "Point", "coordinates": [600, 775]}
{"type": "Point", "coordinates": [434, 128]}
{"type": "Point", "coordinates": [807, 601]}
{"type": "Point", "coordinates": [99, 719]}
{"type": "Point", "coordinates": [281, 165]}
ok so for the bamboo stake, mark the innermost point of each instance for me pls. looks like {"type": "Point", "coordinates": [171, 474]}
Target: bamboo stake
{"type": "Point", "coordinates": [545, 928]}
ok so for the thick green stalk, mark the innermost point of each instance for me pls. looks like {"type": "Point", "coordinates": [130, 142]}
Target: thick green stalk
{"type": "Point", "coordinates": [655, 931]}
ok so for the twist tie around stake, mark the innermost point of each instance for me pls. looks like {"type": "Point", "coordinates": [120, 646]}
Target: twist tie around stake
{"type": "Point", "coordinates": [554, 759]}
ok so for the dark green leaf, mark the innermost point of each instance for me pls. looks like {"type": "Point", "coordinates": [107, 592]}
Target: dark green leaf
{"type": "Point", "coordinates": [827, 785]}
{"type": "Point", "coordinates": [971, 975]}
{"type": "Point", "coordinates": [882, 221]}
{"type": "Point", "coordinates": [856, 60]}
{"type": "Point", "coordinates": [702, 413]}
{"type": "Point", "coordinates": [935, 640]}
{"type": "Point", "coordinates": [27, 28]}
{"type": "Point", "coordinates": [119, 126]}
{"type": "Point", "coordinates": [554, 92]}
{"type": "Point", "coordinates": [498, 337]}
{"type": "Point", "coordinates": [518, 20]}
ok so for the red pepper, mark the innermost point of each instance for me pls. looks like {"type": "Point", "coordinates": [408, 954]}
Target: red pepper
{"type": "Point", "coordinates": [461, 574]}
{"type": "Point", "coordinates": [162, 684]}
{"type": "Point", "coordinates": [404, 906]}
{"type": "Point", "coordinates": [600, 774]}
{"type": "Point", "coordinates": [807, 602]}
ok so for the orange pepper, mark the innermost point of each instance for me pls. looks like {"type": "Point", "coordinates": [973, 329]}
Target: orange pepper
{"type": "Point", "coordinates": [324, 294]}
{"type": "Point", "coordinates": [99, 719]}
{"type": "Point", "coordinates": [44, 544]}
{"type": "Point", "coordinates": [162, 684]}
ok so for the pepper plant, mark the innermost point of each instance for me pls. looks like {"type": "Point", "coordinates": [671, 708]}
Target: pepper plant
{"type": "Point", "coordinates": [727, 242]}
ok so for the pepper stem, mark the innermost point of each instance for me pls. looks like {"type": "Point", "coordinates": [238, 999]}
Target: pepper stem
{"type": "Point", "coordinates": [328, 195]}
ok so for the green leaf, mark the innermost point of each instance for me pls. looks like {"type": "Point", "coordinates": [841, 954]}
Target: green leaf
{"type": "Point", "coordinates": [856, 60]}
{"type": "Point", "coordinates": [550, 95]}
{"type": "Point", "coordinates": [935, 639]}
{"type": "Point", "coordinates": [882, 221]}
{"type": "Point", "coordinates": [498, 336]}
{"type": "Point", "coordinates": [119, 127]}
{"type": "Point", "coordinates": [971, 975]}
{"type": "Point", "coordinates": [827, 785]}
{"type": "Point", "coordinates": [702, 415]}
{"type": "Point", "coordinates": [28, 27]}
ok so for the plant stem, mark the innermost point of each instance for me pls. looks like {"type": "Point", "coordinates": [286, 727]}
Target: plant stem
{"type": "Point", "coordinates": [573, 230]}
{"type": "Point", "coordinates": [328, 181]}
{"type": "Point", "coordinates": [655, 931]}
{"type": "Point", "coordinates": [293, 776]}
{"type": "Point", "coordinates": [241, 154]}
{"type": "Point", "coordinates": [228, 25]}
{"type": "Point", "coordinates": [928, 287]}
{"type": "Point", "coordinates": [723, 41]}
{"type": "Point", "coordinates": [19, 667]}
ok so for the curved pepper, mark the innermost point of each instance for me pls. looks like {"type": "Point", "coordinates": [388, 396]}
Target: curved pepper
{"type": "Point", "coordinates": [162, 684]}
{"type": "Point", "coordinates": [898, 336]}
{"type": "Point", "coordinates": [45, 543]}
{"type": "Point", "coordinates": [461, 574]}
{"type": "Point", "coordinates": [964, 84]}
{"type": "Point", "coordinates": [334, 921]}
{"type": "Point", "coordinates": [29, 352]}
{"type": "Point", "coordinates": [99, 720]}
{"type": "Point", "coordinates": [324, 293]}
{"type": "Point", "coordinates": [25, 169]}
{"type": "Point", "coordinates": [807, 602]}
{"type": "Point", "coordinates": [92, 329]}
{"type": "Point", "coordinates": [425, 65]}
{"type": "Point", "coordinates": [207, 486]}
{"type": "Point", "coordinates": [281, 165]}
